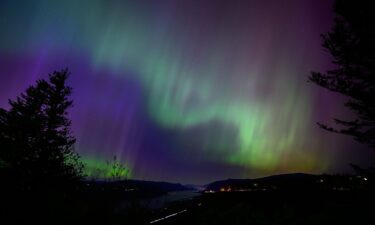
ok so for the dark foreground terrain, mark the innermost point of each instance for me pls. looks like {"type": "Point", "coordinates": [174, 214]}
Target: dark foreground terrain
{"type": "Point", "coordinates": [286, 199]}
{"type": "Point", "coordinates": [272, 207]}
{"type": "Point", "coordinates": [281, 199]}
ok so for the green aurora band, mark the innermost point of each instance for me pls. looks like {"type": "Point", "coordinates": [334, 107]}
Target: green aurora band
{"type": "Point", "coordinates": [242, 66]}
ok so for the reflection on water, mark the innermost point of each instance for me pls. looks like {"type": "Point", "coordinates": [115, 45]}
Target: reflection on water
{"type": "Point", "coordinates": [160, 201]}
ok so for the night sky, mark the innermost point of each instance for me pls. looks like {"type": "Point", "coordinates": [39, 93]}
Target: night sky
{"type": "Point", "coordinates": [187, 91]}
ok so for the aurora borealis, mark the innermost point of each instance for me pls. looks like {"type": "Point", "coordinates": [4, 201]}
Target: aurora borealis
{"type": "Point", "coordinates": [188, 91]}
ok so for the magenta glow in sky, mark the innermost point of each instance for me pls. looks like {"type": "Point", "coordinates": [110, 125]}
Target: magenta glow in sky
{"type": "Point", "coordinates": [188, 91]}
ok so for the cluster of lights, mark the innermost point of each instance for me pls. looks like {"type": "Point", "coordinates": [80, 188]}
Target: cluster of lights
{"type": "Point", "coordinates": [257, 188]}
{"type": "Point", "coordinates": [225, 190]}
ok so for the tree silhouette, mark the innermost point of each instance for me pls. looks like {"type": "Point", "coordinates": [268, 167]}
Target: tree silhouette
{"type": "Point", "coordinates": [351, 42]}
{"type": "Point", "coordinates": [37, 148]}
{"type": "Point", "coordinates": [117, 170]}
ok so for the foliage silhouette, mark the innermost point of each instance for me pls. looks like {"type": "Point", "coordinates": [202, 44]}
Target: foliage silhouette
{"type": "Point", "coordinates": [37, 147]}
{"type": "Point", "coordinates": [351, 42]}
{"type": "Point", "coordinates": [117, 170]}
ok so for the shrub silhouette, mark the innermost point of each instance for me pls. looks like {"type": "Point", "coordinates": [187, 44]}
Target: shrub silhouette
{"type": "Point", "coordinates": [117, 170]}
